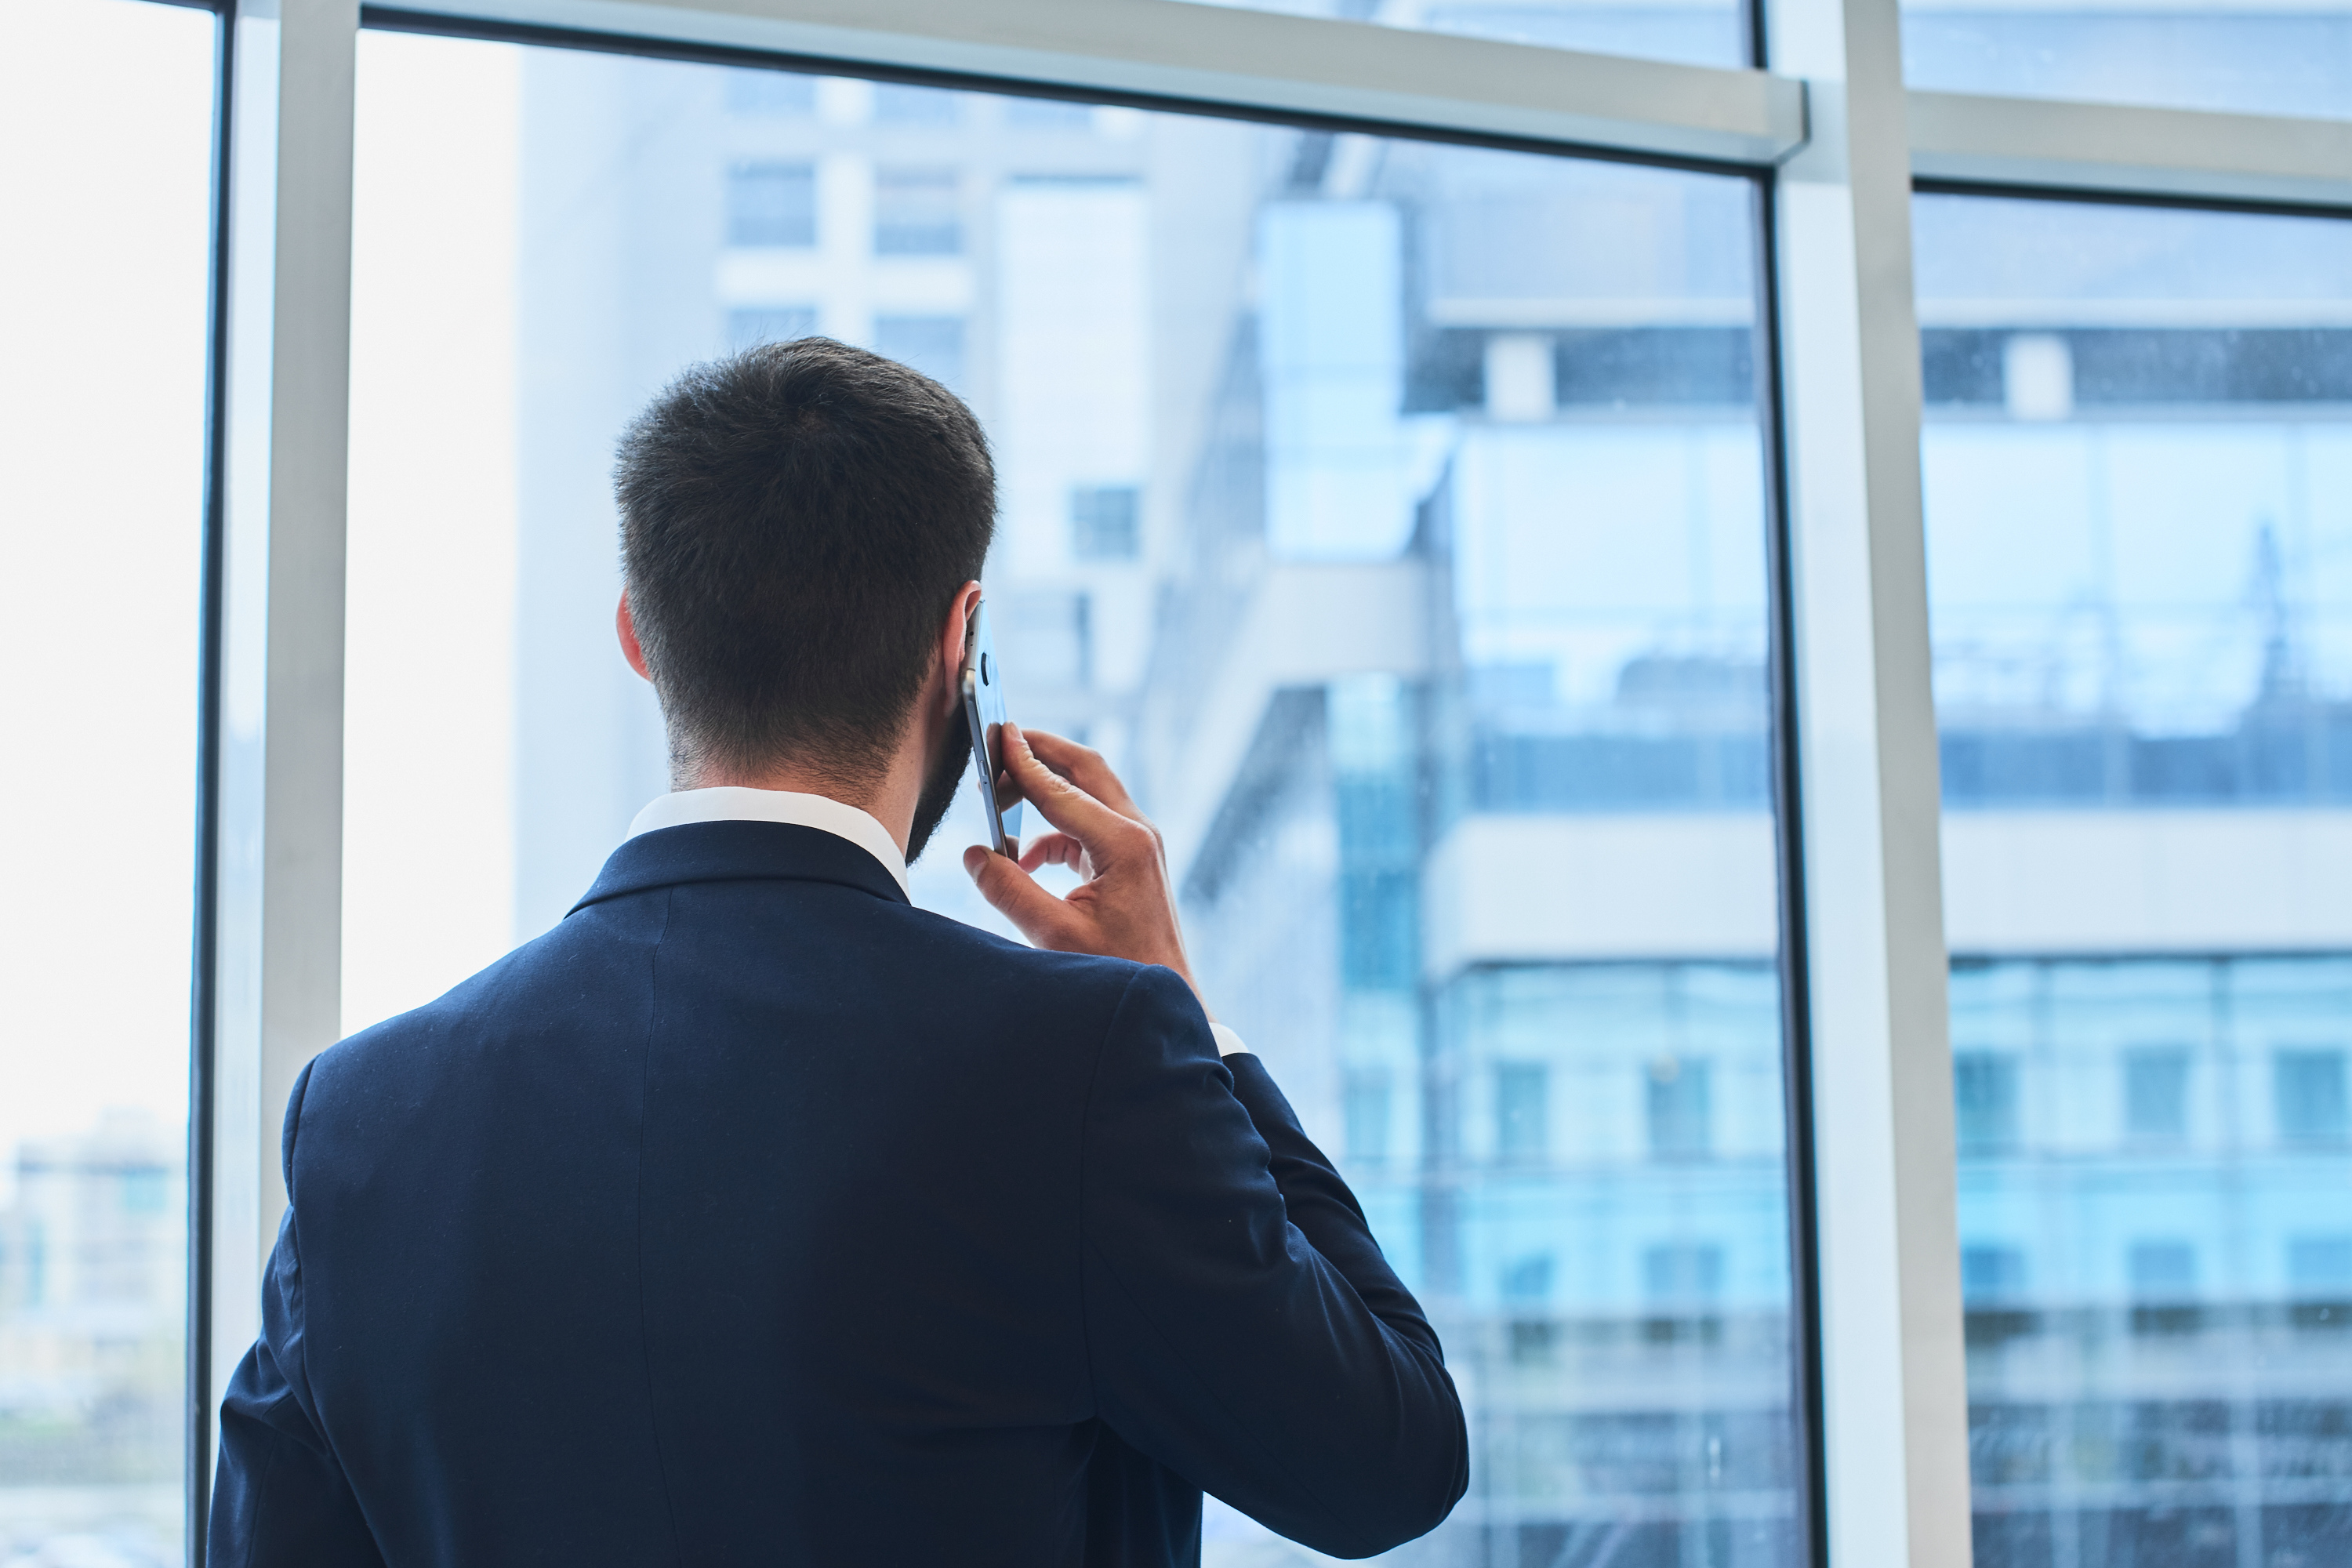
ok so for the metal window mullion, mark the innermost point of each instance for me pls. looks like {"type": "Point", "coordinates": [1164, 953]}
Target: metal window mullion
{"type": "Point", "coordinates": [1207, 58]}
{"type": "Point", "coordinates": [2168, 153]}
{"type": "Point", "coordinates": [276, 784]}
{"type": "Point", "coordinates": [1792, 963]}
{"type": "Point", "coordinates": [1254, 63]}
{"type": "Point", "coordinates": [1893, 1390]}
{"type": "Point", "coordinates": [204, 990]}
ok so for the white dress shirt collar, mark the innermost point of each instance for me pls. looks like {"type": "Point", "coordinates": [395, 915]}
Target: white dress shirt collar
{"type": "Point", "coordinates": [733, 802]}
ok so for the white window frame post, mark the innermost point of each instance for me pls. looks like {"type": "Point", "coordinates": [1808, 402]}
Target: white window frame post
{"type": "Point", "coordinates": [1894, 1372]}
{"type": "Point", "coordinates": [280, 781]}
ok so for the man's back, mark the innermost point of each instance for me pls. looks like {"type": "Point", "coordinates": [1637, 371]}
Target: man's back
{"type": "Point", "coordinates": [753, 1214]}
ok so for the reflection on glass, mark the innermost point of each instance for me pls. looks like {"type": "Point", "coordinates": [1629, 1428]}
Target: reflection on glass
{"type": "Point", "coordinates": [107, 104]}
{"type": "Point", "coordinates": [1388, 513]}
{"type": "Point", "coordinates": [1696, 32]}
{"type": "Point", "coordinates": [2138, 469]}
{"type": "Point", "coordinates": [2255, 56]}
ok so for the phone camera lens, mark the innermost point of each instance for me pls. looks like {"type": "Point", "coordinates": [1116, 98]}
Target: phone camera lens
{"type": "Point", "coordinates": [985, 677]}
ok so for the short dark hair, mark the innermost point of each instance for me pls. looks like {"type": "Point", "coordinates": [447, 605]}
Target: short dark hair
{"type": "Point", "coordinates": [795, 521]}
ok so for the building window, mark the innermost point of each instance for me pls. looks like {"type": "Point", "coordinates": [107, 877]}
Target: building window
{"type": "Point", "coordinates": [1368, 1114]}
{"type": "Point", "coordinates": [932, 344]}
{"type": "Point", "coordinates": [1680, 1111]}
{"type": "Point", "coordinates": [1527, 1282]}
{"type": "Point", "coordinates": [2319, 1267]}
{"type": "Point", "coordinates": [2163, 1271]}
{"type": "Point", "coordinates": [770, 92]}
{"type": "Point", "coordinates": [917, 212]}
{"type": "Point", "coordinates": [771, 204]}
{"type": "Point", "coordinates": [1984, 1102]}
{"type": "Point", "coordinates": [2319, 1281]}
{"type": "Point", "coordinates": [2155, 1095]}
{"type": "Point", "coordinates": [1048, 114]}
{"type": "Point", "coordinates": [2309, 1086]}
{"type": "Point", "coordinates": [753, 325]}
{"type": "Point", "coordinates": [1522, 1111]}
{"type": "Point", "coordinates": [1526, 1295]}
{"type": "Point", "coordinates": [1681, 1274]}
{"type": "Point", "coordinates": [897, 104]}
{"type": "Point", "coordinates": [1105, 522]}
{"type": "Point", "coordinates": [1377, 908]}
{"type": "Point", "coordinates": [1682, 1283]}
{"type": "Point", "coordinates": [1992, 1275]}
{"type": "Point", "coordinates": [2163, 1287]}
{"type": "Point", "coordinates": [1992, 1283]}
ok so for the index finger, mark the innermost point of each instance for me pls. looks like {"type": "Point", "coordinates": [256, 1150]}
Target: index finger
{"type": "Point", "coordinates": [1086, 767]}
{"type": "Point", "coordinates": [1060, 800]}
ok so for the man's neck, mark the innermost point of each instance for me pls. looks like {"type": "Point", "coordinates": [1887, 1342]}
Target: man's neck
{"type": "Point", "coordinates": [885, 801]}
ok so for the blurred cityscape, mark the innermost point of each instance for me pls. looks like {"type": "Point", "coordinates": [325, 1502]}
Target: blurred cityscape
{"type": "Point", "coordinates": [93, 1302]}
{"type": "Point", "coordinates": [1394, 515]}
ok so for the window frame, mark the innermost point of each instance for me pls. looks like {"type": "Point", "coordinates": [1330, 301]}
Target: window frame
{"type": "Point", "coordinates": [1833, 145]}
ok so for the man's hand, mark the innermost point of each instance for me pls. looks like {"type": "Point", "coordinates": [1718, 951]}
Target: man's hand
{"type": "Point", "coordinates": [1125, 907]}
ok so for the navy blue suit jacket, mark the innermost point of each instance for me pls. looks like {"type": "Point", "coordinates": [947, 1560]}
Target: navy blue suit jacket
{"type": "Point", "coordinates": [753, 1216]}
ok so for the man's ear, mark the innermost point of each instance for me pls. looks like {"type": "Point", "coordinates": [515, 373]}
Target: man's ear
{"type": "Point", "coordinates": [953, 635]}
{"type": "Point", "coordinates": [628, 627]}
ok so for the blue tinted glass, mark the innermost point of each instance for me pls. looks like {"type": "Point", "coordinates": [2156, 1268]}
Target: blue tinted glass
{"type": "Point", "coordinates": [770, 203]}
{"type": "Point", "coordinates": [918, 211]}
{"type": "Point", "coordinates": [2309, 1086]}
{"type": "Point", "coordinates": [1992, 1275]}
{"type": "Point", "coordinates": [2155, 1094]}
{"type": "Point", "coordinates": [1390, 515]}
{"type": "Point", "coordinates": [2262, 57]}
{"type": "Point", "coordinates": [2320, 1268]}
{"type": "Point", "coordinates": [2135, 459]}
{"type": "Point", "coordinates": [770, 92]}
{"type": "Point", "coordinates": [2136, 456]}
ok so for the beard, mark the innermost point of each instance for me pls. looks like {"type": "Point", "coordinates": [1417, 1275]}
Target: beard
{"type": "Point", "coordinates": [939, 789]}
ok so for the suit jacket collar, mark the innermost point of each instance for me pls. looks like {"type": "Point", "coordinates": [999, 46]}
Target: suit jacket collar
{"type": "Point", "coordinates": [738, 851]}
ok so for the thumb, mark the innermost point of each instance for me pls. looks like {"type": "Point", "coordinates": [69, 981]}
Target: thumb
{"type": "Point", "coordinates": [1015, 895]}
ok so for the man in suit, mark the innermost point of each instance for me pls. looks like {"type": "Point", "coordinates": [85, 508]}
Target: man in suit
{"type": "Point", "coordinates": [754, 1216]}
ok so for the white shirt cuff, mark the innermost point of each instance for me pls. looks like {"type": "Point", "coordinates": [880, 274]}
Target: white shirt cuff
{"type": "Point", "coordinates": [1228, 1043]}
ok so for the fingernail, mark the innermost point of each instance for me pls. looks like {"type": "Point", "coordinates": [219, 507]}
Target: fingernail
{"type": "Point", "coordinates": [974, 857]}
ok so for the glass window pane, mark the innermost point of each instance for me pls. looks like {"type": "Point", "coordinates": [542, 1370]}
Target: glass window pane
{"type": "Point", "coordinates": [108, 107]}
{"type": "Point", "coordinates": [898, 103]}
{"type": "Point", "coordinates": [771, 203]}
{"type": "Point", "coordinates": [754, 93]}
{"type": "Point", "coordinates": [1696, 32]}
{"type": "Point", "coordinates": [2255, 56]}
{"type": "Point", "coordinates": [2138, 458]}
{"type": "Point", "coordinates": [917, 211]}
{"type": "Point", "coordinates": [1390, 514]}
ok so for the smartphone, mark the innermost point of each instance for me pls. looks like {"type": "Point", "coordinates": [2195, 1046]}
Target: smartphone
{"type": "Point", "coordinates": [983, 711]}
